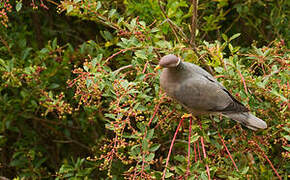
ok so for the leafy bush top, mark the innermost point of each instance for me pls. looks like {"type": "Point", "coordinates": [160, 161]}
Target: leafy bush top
{"type": "Point", "coordinates": [79, 96]}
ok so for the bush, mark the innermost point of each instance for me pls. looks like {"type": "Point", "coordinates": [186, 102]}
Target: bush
{"type": "Point", "coordinates": [80, 99]}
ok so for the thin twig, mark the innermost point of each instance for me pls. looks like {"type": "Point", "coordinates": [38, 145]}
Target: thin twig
{"type": "Point", "coordinates": [243, 80]}
{"type": "Point", "coordinates": [145, 67]}
{"type": "Point", "coordinates": [180, 30]}
{"type": "Point", "coordinates": [52, 2]}
{"type": "Point", "coordinates": [228, 152]}
{"type": "Point", "coordinates": [188, 151]}
{"type": "Point", "coordinates": [119, 52]}
{"type": "Point", "coordinates": [156, 109]}
{"type": "Point", "coordinates": [170, 24]}
{"type": "Point", "coordinates": [6, 45]}
{"type": "Point", "coordinates": [204, 152]}
{"type": "Point", "coordinates": [232, 24]}
{"type": "Point", "coordinates": [170, 149]}
{"type": "Point", "coordinates": [266, 157]}
{"type": "Point", "coordinates": [160, 121]}
{"type": "Point", "coordinates": [204, 155]}
{"type": "Point", "coordinates": [122, 68]}
{"type": "Point", "coordinates": [195, 155]}
{"type": "Point", "coordinates": [199, 156]}
{"type": "Point", "coordinates": [193, 47]}
{"type": "Point", "coordinates": [193, 22]}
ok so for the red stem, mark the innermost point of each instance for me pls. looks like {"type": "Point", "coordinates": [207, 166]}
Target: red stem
{"type": "Point", "coordinates": [168, 115]}
{"type": "Point", "coordinates": [188, 151]}
{"type": "Point", "coordinates": [204, 152]}
{"type": "Point", "coordinates": [144, 69]}
{"type": "Point", "coordinates": [265, 156]}
{"type": "Point", "coordinates": [204, 155]}
{"type": "Point", "coordinates": [195, 155]}
{"type": "Point", "coordinates": [170, 149]}
{"type": "Point", "coordinates": [119, 52]}
{"type": "Point", "coordinates": [155, 111]}
{"type": "Point", "coordinates": [198, 151]}
{"type": "Point", "coordinates": [228, 151]}
{"type": "Point", "coordinates": [243, 80]}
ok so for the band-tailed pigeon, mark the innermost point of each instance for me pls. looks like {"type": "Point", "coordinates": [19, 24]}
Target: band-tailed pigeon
{"type": "Point", "coordinates": [200, 93]}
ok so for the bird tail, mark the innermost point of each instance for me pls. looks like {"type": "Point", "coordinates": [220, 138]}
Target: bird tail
{"type": "Point", "coordinates": [247, 119]}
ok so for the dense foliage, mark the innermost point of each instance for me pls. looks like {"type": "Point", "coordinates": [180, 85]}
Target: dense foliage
{"type": "Point", "coordinates": [80, 99]}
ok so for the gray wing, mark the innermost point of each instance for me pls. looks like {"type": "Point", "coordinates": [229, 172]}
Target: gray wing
{"type": "Point", "coordinates": [205, 94]}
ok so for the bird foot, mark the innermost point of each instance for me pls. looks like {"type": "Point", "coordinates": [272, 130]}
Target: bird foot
{"type": "Point", "coordinates": [157, 68]}
{"type": "Point", "coordinates": [185, 115]}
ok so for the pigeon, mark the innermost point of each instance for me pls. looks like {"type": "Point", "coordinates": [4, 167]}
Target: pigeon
{"type": "Point", "coordinates": [201, 94]}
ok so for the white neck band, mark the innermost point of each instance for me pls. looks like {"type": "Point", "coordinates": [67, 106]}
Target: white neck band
{"type": "Point", "coordinates": [178, 62]}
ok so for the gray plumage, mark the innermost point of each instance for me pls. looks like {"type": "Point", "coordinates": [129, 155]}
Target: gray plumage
{"type": "Point", "coordinates": [200, 93]}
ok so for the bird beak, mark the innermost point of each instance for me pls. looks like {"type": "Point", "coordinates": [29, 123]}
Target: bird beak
{"type": "Point", "coordinates": [157, 68]}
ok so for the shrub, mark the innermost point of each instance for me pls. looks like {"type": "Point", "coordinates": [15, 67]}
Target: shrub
{"type": "Point", "coordinates": [72, 110]}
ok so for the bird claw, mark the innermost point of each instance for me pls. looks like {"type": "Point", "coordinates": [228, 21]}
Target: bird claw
{"type": "Point", "coordinates": [185, 115]}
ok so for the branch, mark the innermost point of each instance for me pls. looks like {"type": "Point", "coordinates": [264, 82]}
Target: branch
{"type": "Point", "coordinates": [266, 157]}
{"type": "Point", "coordinates": [170, 24]}
{"type": "Point", "coordinates": [193, 47]}
{"type": "Point", "coordinates": [170, 149]}
{"type": "Point", "coordinates": [193, 22]}
{"type": "Point", "coordinates": [228, 152]}
{"type": "Point", "coordinates": [6, 45]}
{"type": "Point", "coordinates": [52, 2]}
{"type": "Point", "coordinates": [243, 80]}
{"type": "Point", "coordinates": [122, 68]}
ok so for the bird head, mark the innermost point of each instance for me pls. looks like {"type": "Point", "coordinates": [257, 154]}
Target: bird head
{"type": "Point", "coordinates": [169, 61]}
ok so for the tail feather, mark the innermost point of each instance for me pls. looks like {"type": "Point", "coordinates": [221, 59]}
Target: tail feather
{"type": "Point", "coordinates": [247, 119]}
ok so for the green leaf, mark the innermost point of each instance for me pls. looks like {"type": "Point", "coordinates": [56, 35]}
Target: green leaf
{"type": "Point", "coordinates": [168, 174]}
{"type": "Point", "coordinates": [274, 92]}
{"type": "Point", "coordinates": [180, 158]}
{"type": "Point", "coordinates": [245, 170]}
{"type": "Point", "coordinates": [135, 150]}
{"type": "Point", "coordinates": [225, 37]}
{"type": "Point", "coordinates": [154, 148]}
{"type": "Point", "coordinates": [18, 6]}
{"type": "Point", "coordinates": [204, 176]}
{"type": "Point", "coordinates": [99, 5]}
{"type": "Point", "coordinates": [235, 36]}
{"type": "Point", "coordinates": [150, 134]}
{"type": "Point", "coordinates": [145, 144]}
{"type": "Point", "coordinates": [86, 68]}
{"type": "Point", "coordinates": [40, 162]}
{"type": "Point", "coordinates": [286, 147]}
{"type": "Point", "coordinates": [141, 54]}
{"type": "Point", "coordinates": [94, 62]}
{"type": "Point", "coordinates": [112, 13]}
{"type": "Point", "coordinates": [219, 69]}
{"type": "Point", "coordinates": [194, 138]}
{"type": "Point", "coordinates": [54, 44]}
{"type": "Point", "coordinates": [150, 157]}
{"type": "Point", "coordinates": [54, 86]}
{"type": "Point", "coordinates": [231, 47]}
{"type": "Point", "coordinates": [69, 8]}
{"type": "Point", "coordinates": [153, 30]}
{"type": "Point", "coordinates": [287, 137]}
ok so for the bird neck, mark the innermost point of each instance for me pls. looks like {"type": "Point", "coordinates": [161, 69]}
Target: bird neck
{"type": "Point", "coordinates": [179, 67]}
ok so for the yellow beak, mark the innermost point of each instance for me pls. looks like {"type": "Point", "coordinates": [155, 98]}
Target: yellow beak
{"type": "Point", "coordinates": [157, 68]}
